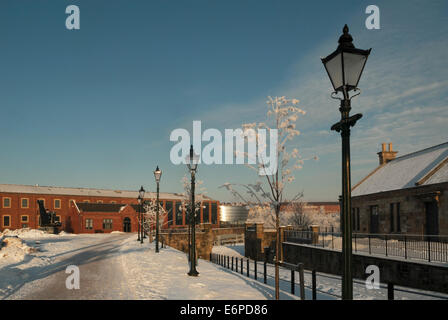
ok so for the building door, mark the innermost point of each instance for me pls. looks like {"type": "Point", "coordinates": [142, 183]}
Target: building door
{"type": "Point", "coordinates": [127, 224]}
{"type": "Point", "coordinates": [374, 219]}
{"type": "Point", "coordinates": [432, 218]}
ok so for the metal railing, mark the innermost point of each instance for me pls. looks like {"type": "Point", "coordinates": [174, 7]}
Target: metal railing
{"type": "Point", "coordinates": [431, 248]}
{"type": "Point", "coordinates": [258, 270]}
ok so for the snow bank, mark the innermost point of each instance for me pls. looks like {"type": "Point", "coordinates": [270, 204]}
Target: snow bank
{"type": "Point", "coordinates": [14, 249]}
{"type": "Point", "coordinates": [27, 233]}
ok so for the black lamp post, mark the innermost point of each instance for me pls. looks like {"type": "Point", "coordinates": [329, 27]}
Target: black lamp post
{"type": "Point", "coordinates": [344, 67]}
{"type": "Point", "coordinates": [141, 196]}
{"type": "Point", "coordinates": [157, 175]}
{"type": "Point", "coordinates": [192, 164]}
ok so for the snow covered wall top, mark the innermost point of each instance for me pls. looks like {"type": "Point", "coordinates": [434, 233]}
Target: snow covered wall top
{"type": "Point", "coordinates": [405, 171]}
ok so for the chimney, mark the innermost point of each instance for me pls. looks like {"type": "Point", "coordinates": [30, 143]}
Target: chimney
{"type": "Point", "coordinates": [386, 155]}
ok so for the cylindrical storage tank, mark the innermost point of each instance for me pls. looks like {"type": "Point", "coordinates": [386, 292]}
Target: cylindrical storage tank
{"type": "Point", "coordinates": [233, 214]}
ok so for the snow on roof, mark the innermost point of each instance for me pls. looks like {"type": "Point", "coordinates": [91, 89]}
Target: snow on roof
{"type": "Point", "coordinates": [18, 188]}
{"type": "Point", "coordinates": [427, 166]}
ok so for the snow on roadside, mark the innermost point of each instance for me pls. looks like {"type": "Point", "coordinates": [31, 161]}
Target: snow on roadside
{"type": "Point", "coordinates": [231, 251]}
{"type": "Point", "coordinates": [14, 250]}
{"type": "Point", "coordinates": [27, 233]}
{"type": "Point", "coordinates": [164, 276]}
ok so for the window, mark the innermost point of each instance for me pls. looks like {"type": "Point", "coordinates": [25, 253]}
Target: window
{"type": "Point", "coordinates": [358, 224]}
{"type": "Point", "coordinates": [395, 217]}
{"type": "Point", "coordinates": [374, 219]}
{"type": "Point", "coordinates": [107, 224]}
{"type": "Point", "coordinates": [57, 218]}
{"type": "Point", "coordinates": [6, 221]}
{"type": "Point", "coordinates": [24, 202]}
{"type": "Point", "coordinates": [206, 212]}
{"type": "Point", "coordinates": [57, 203]}
{"type": "Point", "coordinates": [355, 219]}
{"type": "Point", "coordinates": [24, 218]}
{"type": "Point", "coordinates": [214, 213]}
{"type": "Point", "coordinates": [392, 218]}
{"type": "Point", "coordinates": [89, 224]}
{"type": "Point", "coordinates": [6, 202]}
{"type": "Point", "coordinates": [179, 217]}
{"type": "Point", "coordinates": [169, 210]}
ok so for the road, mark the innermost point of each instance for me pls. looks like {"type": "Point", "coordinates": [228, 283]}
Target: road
{"type": "Point", "coordinates": [101, 274]}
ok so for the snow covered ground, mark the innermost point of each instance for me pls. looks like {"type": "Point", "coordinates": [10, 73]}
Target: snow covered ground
{"type": "Point", "coordinates": [116, 266]}
{"type": "Point", "coordinates": [113, 266]}
{"type": "Point", "coordinates": [328, 286]}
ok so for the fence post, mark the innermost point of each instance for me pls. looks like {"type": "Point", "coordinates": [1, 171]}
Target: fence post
{"type": "Point", "coordinates": [228, 262]}
{"type": "Point", "coordinates": [405, 248]}
{"type": "Point", "coordinates": [247, 266]}
{"type": "Point", "coordinates": [242, 265]}
{"type": "Point", "coordinates": [386, 244]}
{"type": "Point", "coordinates": [255, 269]}
{"type": "Point", "coordinates": [302, 281]}
{"type": "Point", "coordinates": [332, 244]}
{"type": "Point", "coordinates": [313, 277]}
{"type": "Point", "coordinates": [429, 248]}
{"type": "Point", "coordinates": [232, 263]}
{"type": "Point", "coordinates": [236, 264]}
{"type": "Point", "coordinates": [390, 291]}
{"type": "Point", "coordinates": [292, 282]}
{"type": "Point", "coordinates": [264, 271]}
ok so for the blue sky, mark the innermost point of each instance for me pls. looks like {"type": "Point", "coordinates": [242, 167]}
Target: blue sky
{"type": "Point", "coordinates": [95, 107]}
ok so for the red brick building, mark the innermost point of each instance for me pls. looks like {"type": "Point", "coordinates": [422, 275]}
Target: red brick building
{"type": "Point", "coordinates": [85, 210]}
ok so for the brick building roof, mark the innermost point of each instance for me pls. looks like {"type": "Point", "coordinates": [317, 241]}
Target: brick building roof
{"type": "Point", "coordinates": [18, 188]}
{"type": "Point", "coordinates": [423, 167]}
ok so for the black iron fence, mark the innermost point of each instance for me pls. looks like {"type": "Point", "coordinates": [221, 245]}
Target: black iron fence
{"type": "Point", "coordinates": [251, 268]}
{"type": "Point", "coordinates": [432, 248]}
{"type": "Point", "coordinates": [258, 270]}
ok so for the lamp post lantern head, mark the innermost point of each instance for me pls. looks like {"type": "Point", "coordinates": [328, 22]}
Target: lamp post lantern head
{"type": "Point", "coordinates": [192, 160]}
{"type": "Point", "coordinates": [345, 65]}
{"type": "Point", "coordinates": [141, 193]}
{"type": "Point", "coordinates": [157, 174]}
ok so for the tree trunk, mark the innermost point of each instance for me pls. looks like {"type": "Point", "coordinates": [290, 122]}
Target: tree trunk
{"type": "Point", "coordinates": [277, 253]}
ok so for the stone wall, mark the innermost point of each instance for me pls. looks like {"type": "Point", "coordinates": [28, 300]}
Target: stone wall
{"type": "Point", "coordinates": [205, 237]}
{"type": "Point", "coordinates": [256, 239]}
{"type": "Point", "coordinates": [412, 208]}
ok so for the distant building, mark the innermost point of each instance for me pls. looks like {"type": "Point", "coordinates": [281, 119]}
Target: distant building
{"type": "Point", "coordinates": [313, 207]}
{"type": "Point", "coordinates": [85, 210]}
{"type": "Point", "coordinates": [408, 194]}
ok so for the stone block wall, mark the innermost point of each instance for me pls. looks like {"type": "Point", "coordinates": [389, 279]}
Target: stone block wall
{"type": "Point", "coordinates": [205, 237]}
{"type": "Point", "coordinates": [412, 208]}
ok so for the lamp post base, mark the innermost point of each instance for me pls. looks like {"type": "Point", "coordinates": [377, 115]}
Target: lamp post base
{"type": "Point", "coordinates": [193, 273]}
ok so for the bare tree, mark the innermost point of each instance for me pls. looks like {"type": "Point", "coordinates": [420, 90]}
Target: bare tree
{"type": "Point", "coordinates": [150, 216]}
{"type": "Point", "coordinates": [298, 216]}
{"type": "Point", "coordinates": [282, 116]}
